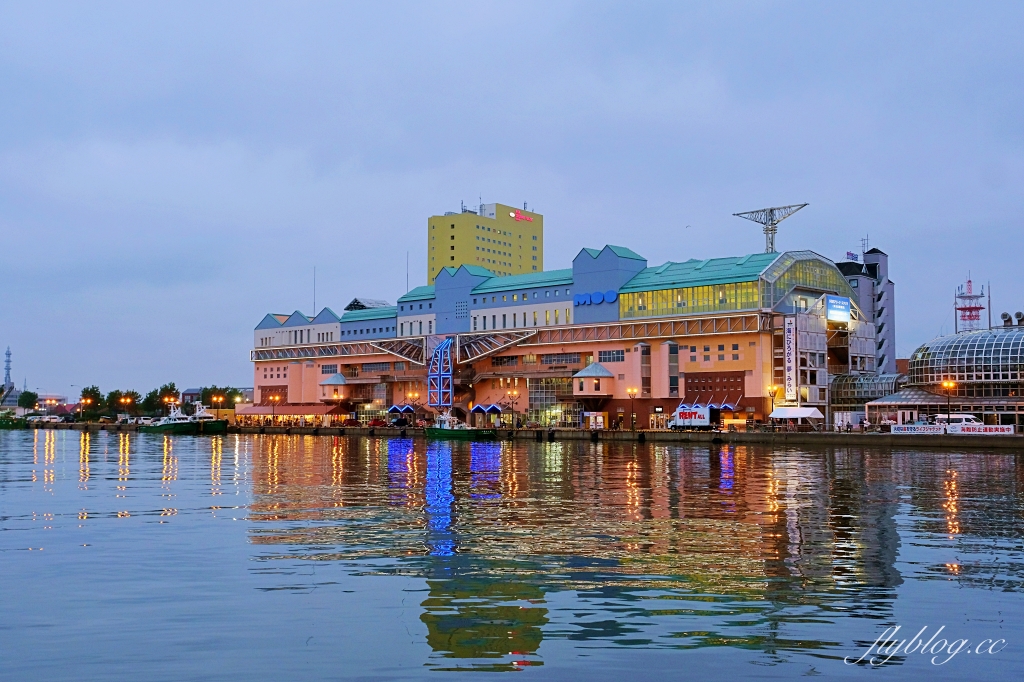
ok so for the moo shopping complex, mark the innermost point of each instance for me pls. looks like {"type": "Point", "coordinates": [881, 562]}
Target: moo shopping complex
{"type": "Point", "coordinates": [611, 341]}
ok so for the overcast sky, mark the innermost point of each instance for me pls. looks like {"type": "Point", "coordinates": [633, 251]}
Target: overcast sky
{"type": "Point", "coordinates": [170, 173]}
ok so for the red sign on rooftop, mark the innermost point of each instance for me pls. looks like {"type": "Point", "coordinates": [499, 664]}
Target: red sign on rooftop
{"type": "Point", "coordinates": [518, 215]}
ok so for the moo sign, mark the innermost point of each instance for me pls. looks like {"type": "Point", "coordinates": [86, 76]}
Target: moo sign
{"type": "Point", "coordinates": [595, 298]}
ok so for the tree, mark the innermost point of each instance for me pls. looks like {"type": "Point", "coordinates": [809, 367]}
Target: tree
{"type": "Point", "coordinates": [92, 401]}
{"type": "Point", "coordinates": [113, 401]}
{"type": "Point", "coordinates": [151, 403]}
{"type": "Point", "coordinates": [135, 402]}
{"type": "Point", "coordinates": [228, 394]}
{"type": "Point", "coordinates": [28, 400]}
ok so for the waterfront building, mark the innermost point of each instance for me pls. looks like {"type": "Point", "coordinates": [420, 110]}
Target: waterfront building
{"type": "Point", "coordinates": [504, 239]}
{"type": "Point", "coordinates": [985, 366]}
{"type": "Point", "coordinates": [582, 346]}
{"type": "Point", "coordinates": [876, 297]}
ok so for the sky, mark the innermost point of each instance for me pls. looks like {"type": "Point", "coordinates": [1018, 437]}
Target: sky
{"type": "Point", "coordinates": [169, 173]}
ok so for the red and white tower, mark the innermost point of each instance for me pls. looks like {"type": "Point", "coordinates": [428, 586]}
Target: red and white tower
{"type": "Point", "coordinates": [968, 307]}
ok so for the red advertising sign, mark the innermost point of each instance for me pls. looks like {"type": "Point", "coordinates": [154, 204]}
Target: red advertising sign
{"type": "Point", "coordinates": [518, 215]}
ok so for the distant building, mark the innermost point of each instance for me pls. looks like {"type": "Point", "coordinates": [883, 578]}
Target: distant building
{"type": "Point", "coordinates": [876, 297]}
{"type": "Point", "coordinates": [191, 395]}
{"type": "Point", "coordinates": [504, 239]}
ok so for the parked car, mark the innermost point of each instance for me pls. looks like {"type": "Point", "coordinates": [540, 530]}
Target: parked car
{"type": "Point", "coordinates": [377, 422]}
{"type": "Point", "coordinates": [68, 419]}
{"type": "Point", "coordinates": [351, 422]}
{"type": "Point", "coordinates": [400, 422]}
{"type": "Point", "coordinates": [105, 420]}
{"type": "Point", "coordinates": [144, 421]}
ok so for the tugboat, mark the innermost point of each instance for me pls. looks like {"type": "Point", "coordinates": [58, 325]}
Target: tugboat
{"type": "Point", "coordinates": [447, 427]}
{"type": "Point", "coordinates": [207, 423]}
{"type": "Point", "coordinates": [175, 422]}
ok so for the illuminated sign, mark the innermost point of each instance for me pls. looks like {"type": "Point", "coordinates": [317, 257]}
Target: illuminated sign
{"type": "Point", "coordinates": [789, 356]}
{"type": "Point", "coordinates": [518, 215]}
{"type": "Point", "coordinates": [595, 298]}
{"type": "Point", "coordinates": [837, 309]}
{"type": "Point", "coordinates": [693, 416]}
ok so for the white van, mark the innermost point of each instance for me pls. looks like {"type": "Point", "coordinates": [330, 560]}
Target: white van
{"type": "Point", "coordinates": [943, 419]}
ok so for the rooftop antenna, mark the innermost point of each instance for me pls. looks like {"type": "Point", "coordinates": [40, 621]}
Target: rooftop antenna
{"type": "Point", "coordinates": [7, 368]}
{"type": "Point", "coordinates": [314, 291]}
{"type": "Point", "coordinates": [770, 218]}
{"type": "Point", "coordinates": [406, 272]}
{"type": "Point", "coordinates": [968, 308]}
{"type": "Point", "coordinates": [864, 243]}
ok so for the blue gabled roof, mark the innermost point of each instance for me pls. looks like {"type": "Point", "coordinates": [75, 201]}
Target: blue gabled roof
{"type": "Point", "coordinates": [326, 316]}
{"type": "Point", "coordinates": [418, 294]}
{"type": "Point", "coordinates": [271, 321]}
{"type": "Point", "coordinates": [370, 314]}
{"type": "Point", "coordinates": [296, 319]}
{"type": "Point", "coordinates": [594, 253]}
{"type": "Point", "coordinates": [696, 272]}
{"type": "Point", "coordinates": [594, 370]}
{"type": "Point", "coordinates": [529, 280]}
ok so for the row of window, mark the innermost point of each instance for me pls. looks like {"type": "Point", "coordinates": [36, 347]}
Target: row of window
{"type": "Point", "coordinates": [413, 305]}
{"type": "Point", "coordinates": [524, 296]}
{"type": "Point", "coordinates": [415, 328]}
{"type": "Point", "coordinates": [480, 321]}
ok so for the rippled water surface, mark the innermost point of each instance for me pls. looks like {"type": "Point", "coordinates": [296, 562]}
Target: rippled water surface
{"type": "Point", "coordinates": [146, 557]}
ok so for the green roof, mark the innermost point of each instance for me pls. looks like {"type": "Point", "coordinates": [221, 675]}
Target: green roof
{"type": "Point", "coordinates": [471, 269]}
{"type": "Point", "coordinates": [529, 280]}
{"type": "Point", "coordinates": [700, 272]}
{"type": "Point", "coordinates": [594, 253]}
{"type": "Point", "coordinates": [418, 294]}
{"type": "Point", "coordinates": [370, 314]}
{"type": "Point", "coordinates": [623, 252]}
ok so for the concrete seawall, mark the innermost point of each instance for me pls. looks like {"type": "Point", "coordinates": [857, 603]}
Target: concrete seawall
{"type": "Point", "coordinates": [783, 439]}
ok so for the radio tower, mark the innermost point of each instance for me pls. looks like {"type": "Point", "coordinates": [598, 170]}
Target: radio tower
{"type": "Point", "coordinates": [7, 369]}
{"type": "Point", "coordinates": [770, 218]}
{"type": "Point", "coordinates": [968, 307]}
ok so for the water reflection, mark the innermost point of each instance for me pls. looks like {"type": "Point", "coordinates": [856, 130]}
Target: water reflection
{"type": "Point", "coordinates": [657, 546]}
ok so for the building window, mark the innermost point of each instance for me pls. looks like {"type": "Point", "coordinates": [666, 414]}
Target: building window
{"type": "Point", "coordinates": [328, 369]}
{"type": "Point", "coordinates": [430, 326]}
{"type": "Point", "coordinates": [735, 356]}
{"type": "Point", "coordinates": [547, 317]}
{"type": "Point", "coordinates": [721, 357]}
{"type": "Point", "coordinates": [581, 385]}
{"type": "Point", "coordinates": [474, 323]}
{"type": "Point", "coordinates": [597, 384]}
{"type": "Point", "coordinates": [504, 321]}
{"type": "Point", "coordinates": [611, 356]}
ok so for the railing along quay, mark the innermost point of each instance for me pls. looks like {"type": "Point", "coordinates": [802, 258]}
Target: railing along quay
{"type": "Point", "coordinates": [779, 438]}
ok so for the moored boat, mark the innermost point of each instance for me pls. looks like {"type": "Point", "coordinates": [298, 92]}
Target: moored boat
{"type": "Point", "coordinates": [447, 427]}
{"type": "Point", "coordinates": [207, 423]}
{"type": "Point", "coordinates": [175, 422]}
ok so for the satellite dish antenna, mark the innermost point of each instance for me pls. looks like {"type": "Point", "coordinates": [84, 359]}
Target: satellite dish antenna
{"type": "Point", "coordinates": [770, 218]}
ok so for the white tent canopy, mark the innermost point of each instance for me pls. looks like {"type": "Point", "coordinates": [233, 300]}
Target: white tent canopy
{"type": "Point", "coordinates": [796, 413]}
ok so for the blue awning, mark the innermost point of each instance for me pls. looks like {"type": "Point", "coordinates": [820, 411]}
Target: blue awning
{"type": "Point", "coordinates": [396, 409]}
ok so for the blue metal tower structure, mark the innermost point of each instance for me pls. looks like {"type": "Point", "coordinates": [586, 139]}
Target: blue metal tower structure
{"type": "Point", "coordinates": [439, 376]}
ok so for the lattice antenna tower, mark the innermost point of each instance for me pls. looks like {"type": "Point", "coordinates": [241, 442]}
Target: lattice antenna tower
{"type": "Point", "coordinates": [968, 307]}
{"type": "Point", "coordinates": [7, 368]}
{"type": "Point", "coordinates": [770, 218]}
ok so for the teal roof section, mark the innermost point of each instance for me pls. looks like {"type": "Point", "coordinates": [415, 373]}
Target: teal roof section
{"type": "Point", "coordinates": [700, 272]}
{"type": "Point", "coordinates": [594, 253]}
{"type": "Point", "coordinates": [623, 252]}
{"type": "Point", "coordinates": [528, 281]}
{"type": "Point", "coordinates": [471, 269]}
{"type": "Point", "coordinates": [370, 314]}
{"type": "Point", "coordinates": [418, 294]}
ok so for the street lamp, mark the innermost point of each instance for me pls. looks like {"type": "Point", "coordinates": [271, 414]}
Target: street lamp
{"type": "Point", "coordinates": [949, 386]}
{"type": "Point", "coordinates": [631, 392]}
{"type": "Point", "coordinates": [273, 408]}
{"type": "Point", "coordinates": [773, 391]}
{"type": "Point", "coordinates": [170, 401]}
{"type": "Point", "coordinates": [513, 396]}
{"type": "Point", "coordinates": [217, 400]}
{"type": "Point", "coordinates": [81, 406]}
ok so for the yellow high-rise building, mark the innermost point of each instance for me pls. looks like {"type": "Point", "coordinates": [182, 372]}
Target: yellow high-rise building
{"type": "Point", "coordinates": [504, 239]}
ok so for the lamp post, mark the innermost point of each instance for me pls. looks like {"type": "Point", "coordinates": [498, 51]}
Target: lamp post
{"type": "Point", "coordinates": [513, 396]}
{"type": "Point", "coordinates": [949, 386]}
{"type": "Point", "coordinates": [217, 400]}
{"type": "Point", "coordinates": [631, 392]}
{"type": "Point", "coordinates": [82, 402]}
{"type": "Point", "coordinates": [773, 391]}
{"type": "Point", "coordinates": [273, 408]}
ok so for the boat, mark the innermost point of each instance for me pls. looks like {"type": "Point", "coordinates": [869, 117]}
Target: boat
{"type": "Point", "coordinates": [175, 422]}
{"type": "Point", "coordinates": [447, 427]}
{"type": "Point", "coordinates": [207, 423]}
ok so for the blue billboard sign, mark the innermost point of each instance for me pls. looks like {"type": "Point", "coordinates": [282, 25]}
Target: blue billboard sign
{"type": "Point", "coordinates": [837, 309]}
{"type": "Point", "coordinates": [596, 298]}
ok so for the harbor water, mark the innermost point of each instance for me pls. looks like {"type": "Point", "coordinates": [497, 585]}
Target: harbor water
{"type": "Point", "coordinates": [245, 557]}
